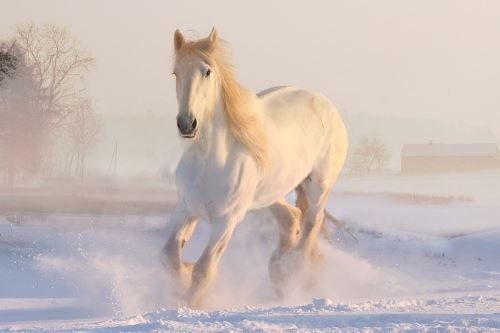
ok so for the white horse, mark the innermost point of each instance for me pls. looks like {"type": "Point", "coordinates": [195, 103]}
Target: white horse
{"type": "Point", "coordinates": [246, 151]}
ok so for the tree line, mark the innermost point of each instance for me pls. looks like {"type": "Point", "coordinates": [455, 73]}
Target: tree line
{"type": "Point", "coordinates": [369, 156]}
{"type": "Point", "coordinates": [46, 114]}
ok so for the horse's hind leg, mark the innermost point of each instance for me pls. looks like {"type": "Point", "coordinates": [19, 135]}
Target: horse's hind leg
{"type": "Point", "coordinates": [301, 201]}
{"type": "Point", "coordinates": [314, 192]}
{"type": "Point", "coordinates": [181, 229]}
{"type": "Point", "coordinates": [288, 218]}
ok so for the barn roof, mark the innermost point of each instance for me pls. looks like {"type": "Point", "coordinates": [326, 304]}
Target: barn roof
{"type": "Point", "coordinates": [439, 149]}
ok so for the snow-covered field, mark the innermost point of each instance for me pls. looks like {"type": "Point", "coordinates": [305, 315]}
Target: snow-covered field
{"type": "Point", "coordinates": [414, 266]}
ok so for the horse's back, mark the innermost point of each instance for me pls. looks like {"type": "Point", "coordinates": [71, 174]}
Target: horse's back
{"type": "Point", "coordinates": [303, 125]}
{"type": "Point", "coordinates": [290, 98]}
{"type": "Point", "coordinates": [264, 93]}
{"type": "Point", "coordinates": [288, 107]}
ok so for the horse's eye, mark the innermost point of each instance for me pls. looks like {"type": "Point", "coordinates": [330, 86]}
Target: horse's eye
{"type": "Point", "coordinates": [208, 72]}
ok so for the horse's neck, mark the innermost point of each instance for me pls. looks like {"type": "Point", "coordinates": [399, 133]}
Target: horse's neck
{"type": "Point", "coordinates": [216, 140]}
{"type": "Point", "coordinates": [215, 137]}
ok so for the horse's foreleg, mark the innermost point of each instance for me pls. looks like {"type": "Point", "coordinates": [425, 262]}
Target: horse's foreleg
{"type": "Point", "coordinates": [205, 269]}
{"type": "Point", "coordinates": [181, 229]}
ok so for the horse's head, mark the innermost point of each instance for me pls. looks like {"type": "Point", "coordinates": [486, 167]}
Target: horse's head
{"type": "Point", "coordinates": [196, 82]}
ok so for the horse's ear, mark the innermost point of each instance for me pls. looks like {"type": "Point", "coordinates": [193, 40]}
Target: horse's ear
{"type": "Point", "coordinates": [178, 40]}
{"type": "Point", "coordinates": [213, 36]}
{"type": "Point", "coordinates": [208, 44]}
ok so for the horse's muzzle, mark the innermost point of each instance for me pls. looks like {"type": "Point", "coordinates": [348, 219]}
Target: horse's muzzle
{"type": "Point", "coordinates": [187, 125]}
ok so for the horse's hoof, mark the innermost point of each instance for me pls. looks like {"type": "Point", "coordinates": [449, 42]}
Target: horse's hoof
{"type": "Point", "coordinates": [283, 270]}
{"type": "Point", "coordinates": [316, 259]}
{"type": "Point", "coordinates": [194, 297]}
{"type": "Point", "coordinates": [180, 277]}
{"type": "Point", "coordinates": [295, 268]}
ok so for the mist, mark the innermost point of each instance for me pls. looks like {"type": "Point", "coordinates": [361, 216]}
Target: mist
{"type": "Point", "coordinates": [385, 65]}
{"type": "Point", "coordinates": [84, 220]}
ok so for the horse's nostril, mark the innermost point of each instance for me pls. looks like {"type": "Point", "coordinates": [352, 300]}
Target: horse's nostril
{"type": "Point", "coordinates": [186, 124]}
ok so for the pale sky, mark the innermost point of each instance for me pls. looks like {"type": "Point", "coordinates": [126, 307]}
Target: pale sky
{"type": "Point", "coordinates": [427, 59]}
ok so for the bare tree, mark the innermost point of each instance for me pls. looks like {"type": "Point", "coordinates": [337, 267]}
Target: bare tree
{"type": "Point", "coordinates": [368, 155]}
{"type": "Point", "coordinates": [59, 67]}
{"type": "Point", "coordinates": [83, 131]}
{"type": "Point", "coordinates": [42, 71]}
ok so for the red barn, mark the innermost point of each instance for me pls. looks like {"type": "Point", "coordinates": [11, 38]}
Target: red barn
{"type": "Point", "coordinates": [439, 158]}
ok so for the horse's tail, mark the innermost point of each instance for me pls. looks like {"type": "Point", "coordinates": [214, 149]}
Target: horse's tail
{"type": "Point", "coordinates": [340, 225]}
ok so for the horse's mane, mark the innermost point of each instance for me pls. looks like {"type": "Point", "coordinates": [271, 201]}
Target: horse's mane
{"type": "Point", "coordinates": [242, 118]}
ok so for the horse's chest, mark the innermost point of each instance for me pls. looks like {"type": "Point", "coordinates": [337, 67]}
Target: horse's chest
{"type": "Point", "coordinates": [209, 190]}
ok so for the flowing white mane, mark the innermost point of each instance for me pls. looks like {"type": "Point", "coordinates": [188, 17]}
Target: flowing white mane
{"type": "Point", "coordinates": [241, 116]}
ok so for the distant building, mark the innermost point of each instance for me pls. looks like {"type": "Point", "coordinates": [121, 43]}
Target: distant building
{"type": "Point", "coordinates": [439, 158]}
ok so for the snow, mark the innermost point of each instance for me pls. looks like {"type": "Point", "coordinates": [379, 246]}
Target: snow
{"type": "Point", "coordinates": [467, 313]}
{"type": "Point", "coordinates": [414, 266]}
